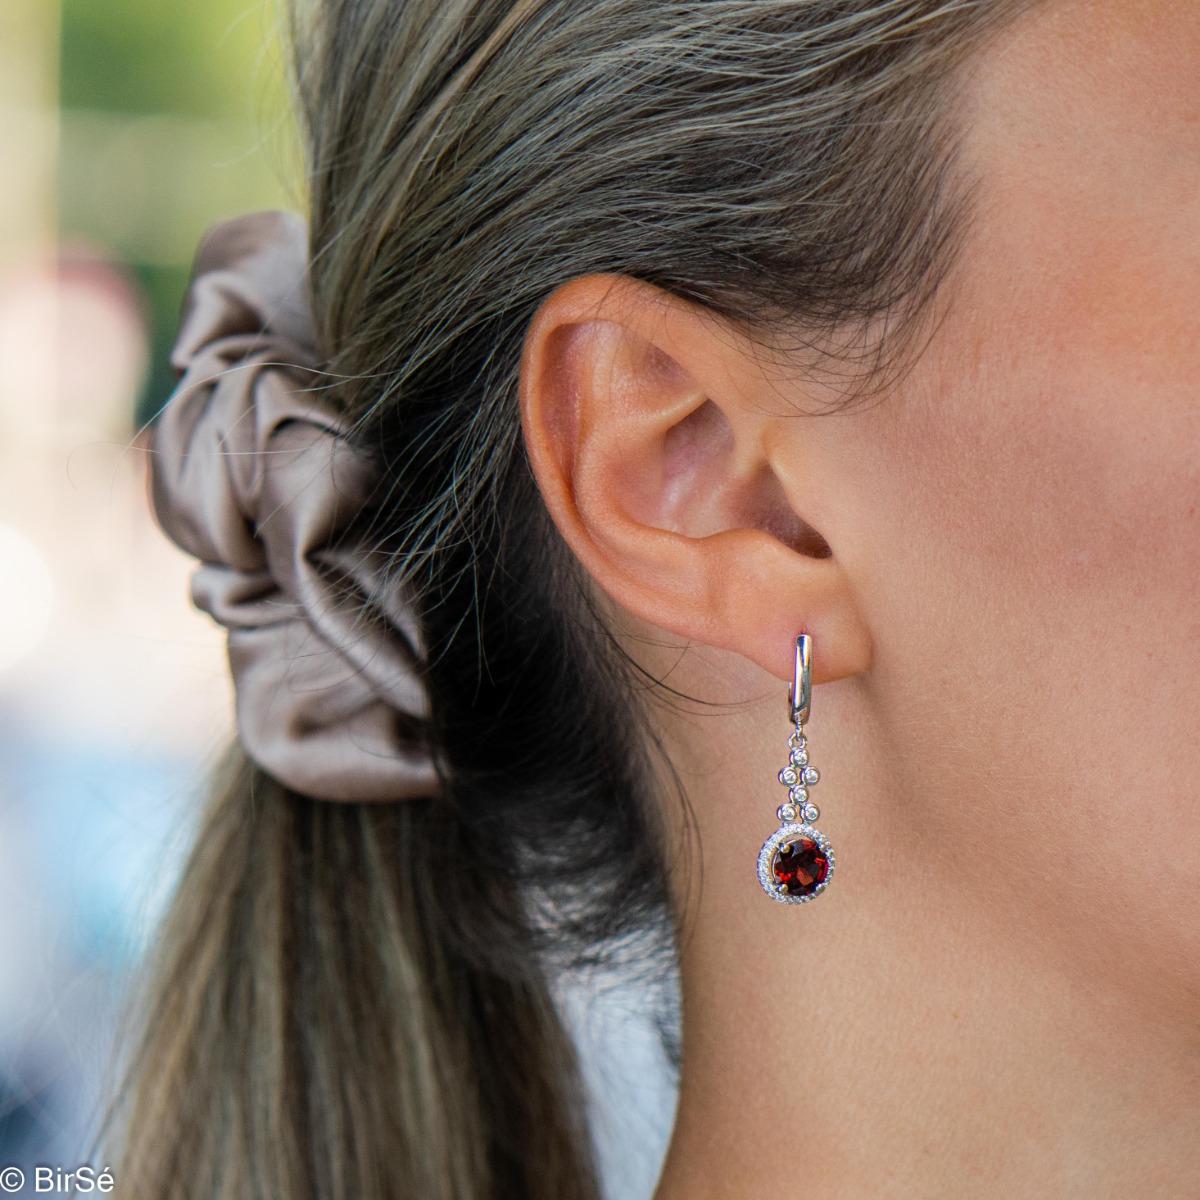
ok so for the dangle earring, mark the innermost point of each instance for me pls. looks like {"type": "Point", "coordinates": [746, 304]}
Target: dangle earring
{"type": "Point", "coordinates": [796, 861]}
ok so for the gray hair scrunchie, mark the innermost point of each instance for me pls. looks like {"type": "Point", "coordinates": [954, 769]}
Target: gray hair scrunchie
{"type": "Point", "coordinates": [256, 478]}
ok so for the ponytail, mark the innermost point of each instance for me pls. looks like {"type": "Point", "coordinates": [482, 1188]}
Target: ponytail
{"type": "Point", "coordinates": [312, 1034]}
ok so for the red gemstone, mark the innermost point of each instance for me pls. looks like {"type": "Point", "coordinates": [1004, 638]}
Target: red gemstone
{"type": "Point", "coordinates": [800, 866]}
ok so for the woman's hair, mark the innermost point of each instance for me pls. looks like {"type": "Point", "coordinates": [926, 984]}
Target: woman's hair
{"type": "Point", "coordinates": [354, 1001]}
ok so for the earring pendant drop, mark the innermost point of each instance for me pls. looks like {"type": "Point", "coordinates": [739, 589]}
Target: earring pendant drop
{"type": "Point", "coordinates": [796, 861]}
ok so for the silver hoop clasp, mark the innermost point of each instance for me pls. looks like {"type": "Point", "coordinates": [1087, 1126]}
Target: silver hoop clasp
{"type": "Point", "coordinates": [800, 694]}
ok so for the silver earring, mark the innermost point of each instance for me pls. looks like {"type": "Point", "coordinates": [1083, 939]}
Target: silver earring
{"type": "Point", "coordinates": [796, 861]}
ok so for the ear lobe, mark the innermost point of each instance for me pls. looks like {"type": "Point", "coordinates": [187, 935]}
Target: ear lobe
{"type": "Point", "coordinates": [646, 427]}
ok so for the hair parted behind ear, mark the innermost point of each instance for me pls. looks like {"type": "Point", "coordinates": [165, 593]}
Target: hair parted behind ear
{"type": "Point", "coordinates": [352, 1001]}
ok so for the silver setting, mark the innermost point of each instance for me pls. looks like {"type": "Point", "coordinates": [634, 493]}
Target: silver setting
{"type": "Point", "coordinates": [811, 776]}
{"type": "Point", "coordinates": [810, 814]}
{"type": "Point", "coordinates": [798, 795]}
{"type": "Point", "coordinates": [786, 813]}
{"type": "Point", "coordinates": [766, 857]}
{"type": "Point", "coordinates": [788, 777]}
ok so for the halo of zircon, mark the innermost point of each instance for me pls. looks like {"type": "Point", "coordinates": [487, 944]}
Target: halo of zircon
{"type": "Point", "coordinates": [782, 837]}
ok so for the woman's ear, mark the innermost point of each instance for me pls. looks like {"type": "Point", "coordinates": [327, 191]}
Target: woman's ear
{"type": "Point", "coordinates": [648, 425]}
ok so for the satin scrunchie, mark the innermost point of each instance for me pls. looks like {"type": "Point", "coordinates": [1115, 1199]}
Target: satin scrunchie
{"type": "Point", "coordinates": [254, 476]}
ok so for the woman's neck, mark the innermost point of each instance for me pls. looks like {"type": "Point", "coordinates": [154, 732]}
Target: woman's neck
{"type": "Point", "coordinates": [902, 1035]}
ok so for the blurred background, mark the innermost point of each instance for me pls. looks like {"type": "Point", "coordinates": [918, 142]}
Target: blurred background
{"type": "Point", "coordinates": [127, 127]}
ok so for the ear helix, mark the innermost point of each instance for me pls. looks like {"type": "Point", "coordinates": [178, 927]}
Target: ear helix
{"type": "Point", "coordinates": [796, 861]}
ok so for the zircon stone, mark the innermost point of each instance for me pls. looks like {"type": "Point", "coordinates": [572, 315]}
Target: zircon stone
{"type": "Point", "coordinates": [798, 795]}
{"type": "Point", "coordinates": [788, 776]}
{"type": "Point", "coordinates": [811, 776]}
{"type": "Point", "coordinates": [799, 756]}
{"type": "Point", "coordinates": [800, 867]}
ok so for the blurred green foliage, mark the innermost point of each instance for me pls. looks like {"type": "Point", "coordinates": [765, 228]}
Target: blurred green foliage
{"type": "Point", "coordinates": [149, 56]}
{"type": "Point", "coordinates": [173, 115]}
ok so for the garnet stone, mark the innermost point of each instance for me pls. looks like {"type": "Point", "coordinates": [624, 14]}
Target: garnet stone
{"type": "Point", "coordinates": [800, 866]}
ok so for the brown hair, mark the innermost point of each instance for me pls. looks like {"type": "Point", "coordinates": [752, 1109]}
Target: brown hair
{"type": "Point", "coordinates": [352, 1001]}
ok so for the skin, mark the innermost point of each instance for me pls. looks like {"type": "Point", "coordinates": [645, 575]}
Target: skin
{"type": "Point", "coordinates": [999, 994]}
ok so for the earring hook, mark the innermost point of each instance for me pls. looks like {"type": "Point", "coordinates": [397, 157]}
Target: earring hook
{"type": "Point", "coordinates": [800, 694]}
